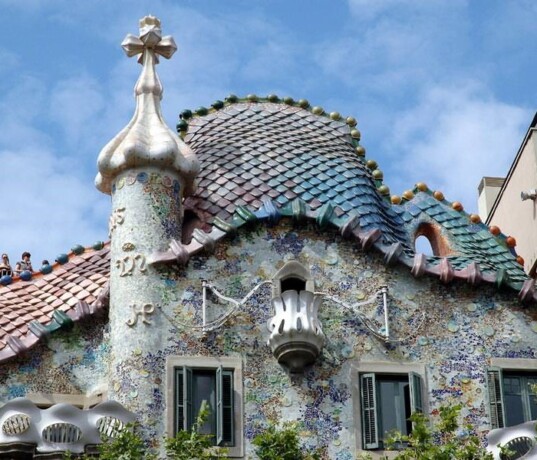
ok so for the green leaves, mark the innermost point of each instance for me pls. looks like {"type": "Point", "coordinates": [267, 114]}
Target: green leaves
{"type": "Point", "coordinates": [281, 444]}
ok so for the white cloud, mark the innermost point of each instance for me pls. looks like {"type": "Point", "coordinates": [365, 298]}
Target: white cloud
{"type": "Point", "coordinates": [75, 104]}
{"type": "Point", "coordinates": [455, 135]}
{"type": "Point", "coordinates": [47, 208]}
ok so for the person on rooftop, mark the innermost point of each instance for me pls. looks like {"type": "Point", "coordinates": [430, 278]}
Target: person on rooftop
{"type": "Point", "coordinates": [24, 264]}
{"type": "Point", "coordinates": [5, 266]}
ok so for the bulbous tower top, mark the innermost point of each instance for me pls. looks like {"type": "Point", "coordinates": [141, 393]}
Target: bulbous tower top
{"type": "Point", "coordinates": [147, 140]}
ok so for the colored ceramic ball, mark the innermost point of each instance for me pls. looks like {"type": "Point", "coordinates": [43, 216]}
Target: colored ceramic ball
{"type": "Point", "coordinates": [351, 121]}
{"type": "Point", "coordinates": [396, 199]}
{"type": "Point", "coordinates": [438, 195]}
{"type": "Point", "coordinates": [475, 218]}
{"type": "Point", "coordinates": [252, 97]}
{"type": "Point", "coordinates": [303, 103]}
{"type": "Point", "coordinates": [384, 190]}
{"type": "Point", "coordinates": [457, 206]}
{"type": "Point", "coordinates": [335, 116]}
{"type": "Point", "coordinates": [377, 174]}
{"type": "Point", "coordinates": [202, 111]}
{"type": "Point", "coordinates": [371, 164]}
{"type": "Point", "coordinates": [360, 151]}
{"type": "Point", "coordinates": [78, 249]}
{"type": "Point", "coordinates": [408, 194]}
{"type": "Point", "coordinates": [510, 241]}
{"type": "Point", "coordinates": [186, 114]}
{"type": "Point", "coordinates": [495, 230]}
{"type": "Point", "coordinates": [182, 126]}
{"type": "Point", "coordinates": [217, 105]}
{"type": "Point", "coordinates": [520, 260]}
{"type": "Point", "coordinates": [62, 259]}
{"type": "Point", "coordinates": [288, 100]}
{"type": "Point", "coordinates": [232, 98]}
{"type": "Point", "coordinates": [355, 133]}
{"type": "Point", "coordinates": [317, 110]}
{"type": "Point", "coordinates": [422, 186]}
{"type": "Point", "coordinates": [273, 98]}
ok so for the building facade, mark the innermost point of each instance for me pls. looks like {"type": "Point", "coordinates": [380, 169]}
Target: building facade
{"type": "Point", "coordinates": [258, 263]}
{"type": "Point", "coordinates": [510, 203]}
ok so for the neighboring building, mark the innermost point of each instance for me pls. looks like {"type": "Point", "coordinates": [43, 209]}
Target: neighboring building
{"type": "Point", "coordinates": [511, 203]}
{"type": "Point", "coordinates": [286, 286]}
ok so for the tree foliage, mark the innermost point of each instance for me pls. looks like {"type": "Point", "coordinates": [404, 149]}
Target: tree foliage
{"type": "Point", "coordinates": [281, 444]}
{"type": "Point", "coordinates": [443, 440]}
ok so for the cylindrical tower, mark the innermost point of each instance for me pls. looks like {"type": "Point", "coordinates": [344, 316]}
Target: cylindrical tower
{"type": "Point", "coordinates": [147, 169]}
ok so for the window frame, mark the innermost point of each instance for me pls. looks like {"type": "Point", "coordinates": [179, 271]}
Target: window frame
{"type": "Point", "coordinates": [174, 363]}
{"type": "Point", "coordinates": [522, 367]}
{"type": "Point", "coordinates": [359, 369]}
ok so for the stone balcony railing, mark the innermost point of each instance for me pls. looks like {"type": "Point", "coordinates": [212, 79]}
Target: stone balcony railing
{"type": "Point", "coordinates": [62, 427]}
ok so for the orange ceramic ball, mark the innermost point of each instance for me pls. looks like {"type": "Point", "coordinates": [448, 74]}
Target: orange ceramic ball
{"type": "Point", "coordinates": [520, 260]}
{"type": "Point", "coordinates": [438, 195]}
{"type": "Point", "coordinates": [510, 241]}
{"type": "Point", "coordinates": [421, 186]}
{"type": "Point", "coordinates": [457, 206]}
{"type": "Point", "coordinates": [475, 218]}
{"type": "Point", "coordinates": [495, 230]}
{"type": "Point", "coordinates": [396, 199]}
{"type": "Point", "coordinates": [408, 194]}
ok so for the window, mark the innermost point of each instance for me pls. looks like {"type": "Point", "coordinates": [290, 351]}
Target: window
{"type": "Point", "coordinates": [387, 401]}
{"type": "Point", "coordinates": [195, 387]}
{"type": "Point", "coordinates": [385, 394]}
{"type": "Point", "coordinates": [428, 238]}
{"type": "Point", "coordinates": [193, 381]}
{"type": "Point", "coordinates": [511, 398]}
{"type": "Point", "coordinates": [293, 276]}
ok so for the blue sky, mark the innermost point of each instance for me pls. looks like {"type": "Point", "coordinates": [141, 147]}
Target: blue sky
{"type": "Point", "coordinates": [443, 90]}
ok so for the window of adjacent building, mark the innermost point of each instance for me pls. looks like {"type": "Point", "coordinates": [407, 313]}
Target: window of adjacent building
{"type": "Point", "coordinates": [217, 382]}
{"type": "Point", "coordinates": [386, 403]}
{"type": "Point", "coordinates": [511, 397]}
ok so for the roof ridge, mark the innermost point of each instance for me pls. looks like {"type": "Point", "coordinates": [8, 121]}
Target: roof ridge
{"type": "Point", "coordinates": [507, 241]}
{"type": "Point", "coordinates": [60, 260]}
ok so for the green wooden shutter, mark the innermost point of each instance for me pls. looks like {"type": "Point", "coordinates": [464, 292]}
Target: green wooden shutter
{"type": "Point", "coordinates": [224, 407]}
{"type": "Point", "coordinates": [495, 390]}
{"type": "Point", "coordinates": [416, 392]}
{"type": "Point", "coordinates": [179, 400]}
{"type": "Point", "coordinates": [228, 426]}
{"type": "Point", "coordinates": [219, 406]}
{"type": "Point", "coordinates": [183, 398]}
{"type": "Point", "coordinates": [369, 411]}
{"type": "Point", "coordinates": [187, 398]}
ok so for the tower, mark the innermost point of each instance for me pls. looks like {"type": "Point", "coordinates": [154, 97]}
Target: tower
{"type": "Point", "coordinates": [148, 170]}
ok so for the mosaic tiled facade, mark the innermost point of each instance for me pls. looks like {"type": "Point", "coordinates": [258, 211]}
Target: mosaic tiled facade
{"type": "Point", "coordinates": [464, 327]}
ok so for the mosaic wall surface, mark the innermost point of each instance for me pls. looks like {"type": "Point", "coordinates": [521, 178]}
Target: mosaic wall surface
{"type": "Point", "coordinates": [73, 363]}
{"type": "Point", "coordinates": [463, 328]}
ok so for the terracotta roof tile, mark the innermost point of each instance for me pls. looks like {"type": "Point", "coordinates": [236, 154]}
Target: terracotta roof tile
{"type": "Point", "coordinates": [82, 278]}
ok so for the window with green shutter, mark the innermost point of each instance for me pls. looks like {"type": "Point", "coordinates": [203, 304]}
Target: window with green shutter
{"type": "Point", "coordinates": [387, 401]}
{"type": "Point", "coordinates": [195, 386]}
{"type": "Point", "coordinates": [511, 397]}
